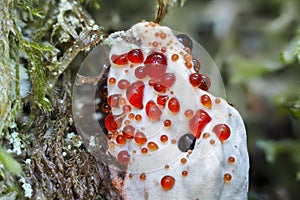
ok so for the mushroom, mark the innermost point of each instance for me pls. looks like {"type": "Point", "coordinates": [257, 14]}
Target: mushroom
{"type": "Point", "coordinates": [175, 139]}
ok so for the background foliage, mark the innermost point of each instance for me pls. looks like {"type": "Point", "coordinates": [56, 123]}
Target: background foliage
{"type": "Point", "coordinates": [256, 45]}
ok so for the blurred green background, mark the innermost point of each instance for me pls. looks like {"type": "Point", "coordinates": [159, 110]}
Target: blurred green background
{"type": "Point", "coordinates": [256, 45]}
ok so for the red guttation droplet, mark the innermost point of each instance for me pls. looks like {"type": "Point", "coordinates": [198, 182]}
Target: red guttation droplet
{"type": "Point", "coordinates": [174, 105]}
{"type": "Point", "coordinates": [140, 72]}
{"type": "Point", "coordinates": [156, 65]}
{"type": "Point", "coordinates": [140, 138]}
{"type": "Point", "coordinates": [113, 122]}
{"type": "Point", "coordinates": [198, 122]}
{"type": "Point", "coordinates": [123, 84]}
{"type": "Point", "coordinates": [120, 139]}
{"type": "Point", "coordinates": [123, 157]}
{"type": "Point", "coordinates": [135, 56]}
{"type": "Point", "coordinates": [158, 87]}
{"type": "Point", "coordinates": [205, 82]}
{"type": "Point", "coordinates": [135, 94]}
{"type": "Point", "coordinates": [153, 111]}
{"type": "Point", "coordinates": [168, 80]}
{"type": "Point", "coordinates": [152, 146]}
{"type": "Point", "coordinates": [128, 131]}
{"type": "Point", "coordinates": [114, 100]}
{"type": "Point", "coordinates": [206, 101]}
{"type": "Point", "coordinates": [195, 79]}
{"type": "Point", "coordinates": [167, 182]}
{"type": "Point", "coordinates": [119, 59]}
{"type": "Point", "coordinates": [162, 100]}
{"type": "Point", "coordinates": [222, 131]}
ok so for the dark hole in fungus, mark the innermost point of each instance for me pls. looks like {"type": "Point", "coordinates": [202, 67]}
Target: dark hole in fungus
{"type": "Point", "coordinates": [186, 142]}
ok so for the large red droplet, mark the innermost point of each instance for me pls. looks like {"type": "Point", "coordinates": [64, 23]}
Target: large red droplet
{"type": "Point", "coordinates": [135, 56]}
{"type": "Point", "coordinates": [156, 65]}
{"type": "Point", "coordinates": [167, 182]}
{"type": "Point", "coordinates": [153, 111]}
{"type": "Point", "coordinates": [113, 122]}
{"type": "Point", "coordinates": [135, 94]}
{"type": "Point", "coordinates": [123, 84]}
{"type": "Point", "coordinates": [140, 138]}
{"type": "Point", "coordinates": [123, 157]}
{"type": "Point", "coordinates": [168, 80]}
{"type": "Point", "coordinates": [198, 122]}
{"type": "Point", "coordinates": [158, 87]}
{"type": "Point", "coordinates": [114, 100]}
{"type": "Point", "coordinates": [162, 100]}
{"type": "Point", "coordinates": [222, 131]}
{"type": "Point", "coordinates": [174, 105]}
{"type": "Point", "coordinates": [119, 59]}
{"type": "Point", "coordinates": [128, 131]}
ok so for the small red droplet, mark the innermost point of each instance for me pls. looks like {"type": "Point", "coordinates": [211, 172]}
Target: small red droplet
{"type": "Point", "coordinates": [198, 122]}
{"type": "Point", "coordinates": [138, 117]}
{"type": "Point", "coordinates": [184, 173]}
{"type": "Point", "coordinates": [128, 131]}
{"type": "Point", "coordinates": [114, 100]}
{"type": "Point", "coordinates": [140, 72]}
{"type": "Point", "coordinates": [167, 182]}
{"type": "Point", "coordinates": [135, 94]}
{"type": "Point", "coordinates": [153, 111]}
{"type": "Point", "coordinates": [164, 138]}
{"type": "Point", "coordinates": [112, 81]}
{"type": "Point", "coordinates": [168, 80]}
{"type": "Point", "coordinates": [195, 79]}
{"type": "Point", "coordinates": [189, 114]}
{"type": "Point", "coordinates": [142, 176]}
{"type": "Point", "coordinates": [119, 59]}
{"type": "Point", "coordinates": [222, 131]}
{"type": "Point", "coordinates": [183, 160]}
{"type": "Point", "coordinates": [174, 105]}
{"type": "Point", "coordinates": [227, 177]}
{"type": "Point", "coordinates": [156, 65]}
{"type": "Point", "coordinates": [120, 139]}
{"type": "Point", "coordinates": [152, 146]}
{"type": "Point", "coordinates": [123, 157]}
{"type": "Point", "coordinates": [135, 56]}
{"type": "Point", "coordinates": [167, 123]}
{"type": "Point", "coordinates": [144, 150]}
{"type": "Point", "coordinates": [231, 160]}
{"type": "Point", "coordinates": [158, 87]}
{"type": "Point", "coordinates": [140, 138]}
{"type": "Point", "coordinates": [205, 83]}
{"type": "Point", "coordinates": [206, 101]}
{"type": "Point", "coordinates": [162, 100]}
{"type": "Point", "coordinates": [123, 84]}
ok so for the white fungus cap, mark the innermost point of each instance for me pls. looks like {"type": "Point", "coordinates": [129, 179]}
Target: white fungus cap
{"type": "Point", "coordinates": [193, 146]}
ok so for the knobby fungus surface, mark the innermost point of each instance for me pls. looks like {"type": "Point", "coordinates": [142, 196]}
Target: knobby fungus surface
{"type": "Point", "coordinates": [165, 131]}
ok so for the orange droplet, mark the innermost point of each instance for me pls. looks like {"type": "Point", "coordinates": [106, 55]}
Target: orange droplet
{"type": "Point", "coordinates": [206, 135]}
{"type": "Point", "coordinates": [164, 138]}
{"type": "Point", "coordinates": [174, 105]}
{"type": "Point", "coordinates": [217, 100]}
{"type": "Point", "coordinates": [163, 35]}
{"type": "Point", "coordinates": [167, 166]}
{"type": "Point", "coordinates": [206, 101]}
{"type": "Point", "coordinates": [212, 142]}
{"type": "Point", "coordinates": [130, 176]}
{"type": "Point", "coordinates": [131, 116]}
{"type": "Point", "coordinates": [167, 182]}
{"type": "Point", "coordinates": [227, 177]}
{"type": "Point", "coordinates": [231, 159]}
{"type": "Point", "coordinates": [173, 141]}
{"type": "Point", "coordinates": [188, 65]}
{"type": "Point", "coordinates": [144, 150]}
{"type": "Point", "coordinates": [183, 160]}
{"type": "Point", "coordinates": [138, 117]}
{"type": "Point", "coordinates": [152, 146]}
{"type": "Point", "coordinates": [189, 114]}
{"type": "Point", "coordinates": [174, 57]}
{"type": "Point", "coordinates": [167, 123]}
{"type": "Point", "coordinates": [142, 176]}
{"type": "Point", "coordinates": [112, 81]}
{"type": "Point", "coordinates": [184, 173]}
